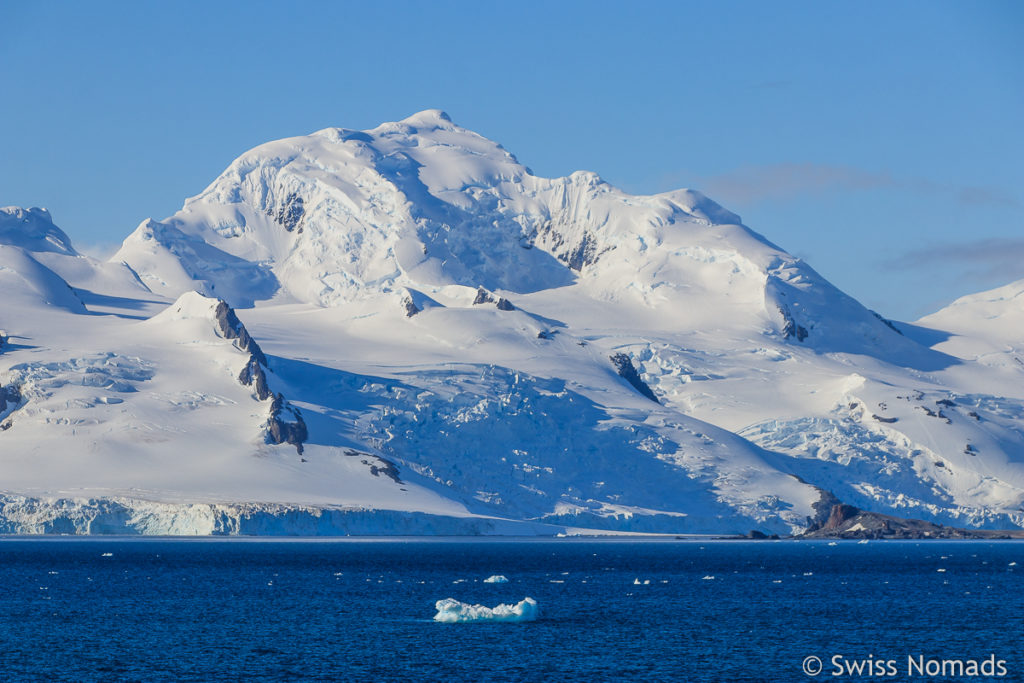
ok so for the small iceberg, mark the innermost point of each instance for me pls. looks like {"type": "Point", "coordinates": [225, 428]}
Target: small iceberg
{"type": "Point", "coordinates": [451, 611]}
{"type": "Point", "coordinates": [497, 578]}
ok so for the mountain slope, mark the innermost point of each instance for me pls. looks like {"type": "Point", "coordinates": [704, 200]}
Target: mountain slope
{"type": "Point", "coordinates": [987, 327]}
{"type": "Point", "coordinates": [437, 340]}
{"type": "Point", "coordinates": [340, 216]}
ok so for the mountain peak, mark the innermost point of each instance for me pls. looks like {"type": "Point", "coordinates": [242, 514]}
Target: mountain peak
{"type": "Point", "coordinates": [33, 230]}
{"type": "Point", "coordinates": [342, 216]}
{"type": "Point", "coordinates": [428, 117]}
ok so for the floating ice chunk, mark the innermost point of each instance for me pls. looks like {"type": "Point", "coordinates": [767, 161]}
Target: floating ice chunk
{"type": "Point", "coordinates": [709, 577]}
{"type": "Point", "coordinates": [451, 611]}
{"type": "Point", "coordinates": [1013, 564]}
{"type": "Point", "coordinates": [832, 543]}
{"type": "Point", "coordinates": [107, 555]}
{"type": "Point", "coordinates": [940, 570]}
{"type": "Point", "coordinates": [497, 578]}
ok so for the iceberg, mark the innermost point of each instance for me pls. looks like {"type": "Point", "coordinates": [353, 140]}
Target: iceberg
{"type": "Point", "coordinates": [451, 611]}
{"type": "Point", "coordinates": [497, 578]}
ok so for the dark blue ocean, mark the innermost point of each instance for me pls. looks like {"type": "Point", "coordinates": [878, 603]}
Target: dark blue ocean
{"type": "Point", "coordinates": [236, 610]}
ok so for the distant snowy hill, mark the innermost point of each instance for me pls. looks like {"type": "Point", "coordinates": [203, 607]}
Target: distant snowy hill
{"type": "Point", "coordinates": [404, 330]}
{"type": "Point", "coordinates": [987, 327]}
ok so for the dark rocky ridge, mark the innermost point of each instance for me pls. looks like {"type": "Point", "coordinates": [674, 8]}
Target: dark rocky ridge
{"type": "Point", "coordinates": [289, 213]}
{"type": "Point", "coordinates": [848, 522]}
{"type": "Point", "coordinates": [624, 366]}
{"type": "Point", "coordinates": [482, 297]}
{"type": "Point", "coordinates": [285, 423]}
{"type": "Point", "coordinates": [485, 297]}
{"type": "Point", "coordinates": [410, 306]}
{"type": "Point", "coordinates": [888, 323]}
{"type": "Point", "coordinates": [576, 256]}
{"type": "Point", "coordinates": [252, 375]}
{"type": "Point", "coordinates": [10, 399]}
{"type": "Point", "coordinates": [232, 328]}
{"type": "Point", "coordinates": [791, 328]}
{"type": "Point", "coordinates": [379, 466]}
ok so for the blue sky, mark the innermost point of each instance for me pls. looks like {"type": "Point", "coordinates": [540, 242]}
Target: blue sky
{"type": "Point", "coordinates": [881, 141]}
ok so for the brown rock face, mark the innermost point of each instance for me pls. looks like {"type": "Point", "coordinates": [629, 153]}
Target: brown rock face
{"type": "Point", "coordinates": [839, 514]}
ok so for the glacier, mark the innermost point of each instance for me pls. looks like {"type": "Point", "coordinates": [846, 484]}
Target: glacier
{"type": "Point", "coordinates": [403, 330]}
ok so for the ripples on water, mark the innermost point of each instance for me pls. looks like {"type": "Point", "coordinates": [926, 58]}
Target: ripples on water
{"type": "Point", "coordinates": [203, 610]}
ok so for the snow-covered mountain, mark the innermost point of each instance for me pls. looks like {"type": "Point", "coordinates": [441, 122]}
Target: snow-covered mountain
{"type": "Point", "coordinates": [405, 330]}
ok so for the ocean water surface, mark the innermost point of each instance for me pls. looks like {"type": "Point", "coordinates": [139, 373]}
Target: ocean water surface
{"type": "Point", "coordinates": [104, 609]}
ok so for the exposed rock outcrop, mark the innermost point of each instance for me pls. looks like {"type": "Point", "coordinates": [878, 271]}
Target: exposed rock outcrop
{"type": "Point", "coordinates": [290, 212]}
{"type": "Point", "coordinates": [10, 399]}
{"type": "Point", "coordinates": [232, 328]}
{"type": "Point", "coordinates": [485, 297]}
{"type": "Point", "coordinates": [482, 297]}
{"type": "Point", "coordinates": [252, 375]}
{"type": "Point", "coordinates": [791, 329]}
{"type": "Point", "coordinates": [887, 323]}
{"type": "Point", "coordinates": [285, 423]}
{"type": "Point", "coordinates": [624, 366]}
{"type": "Point", "coordinates": [378, 466]}
{"type": "Point", "coordinates": [410, 306]}
{"type": "Point", "coordinates": [849, 522]}
{"type": "Point", "coordinates": [585, 251]}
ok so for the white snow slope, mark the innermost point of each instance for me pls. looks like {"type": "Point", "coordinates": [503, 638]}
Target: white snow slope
{"type": "Point", "coordinates": [443, 342]}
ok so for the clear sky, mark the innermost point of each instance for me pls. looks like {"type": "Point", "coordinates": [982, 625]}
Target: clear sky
{"type": "Point", "coordinates": [881, 141]}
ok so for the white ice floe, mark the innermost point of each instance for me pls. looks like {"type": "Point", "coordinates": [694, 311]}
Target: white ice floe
{"type": "Point", "coordinates": [452, 611]}
{"type": "Point", "coordinates": [497, 578]}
